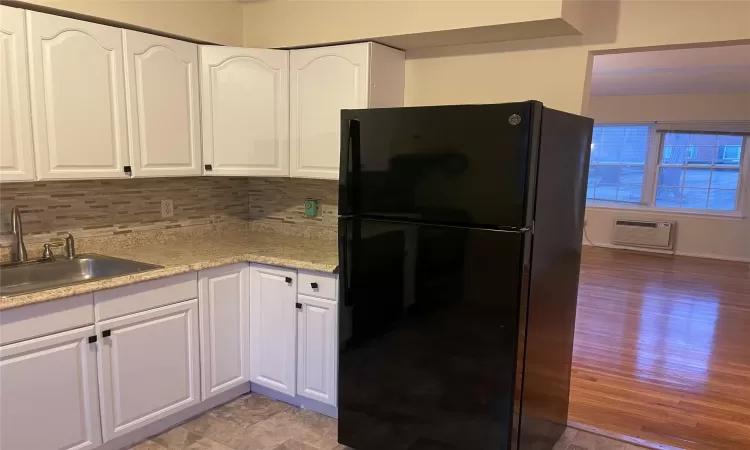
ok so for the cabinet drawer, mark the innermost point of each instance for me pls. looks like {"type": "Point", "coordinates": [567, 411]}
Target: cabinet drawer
{"type": "Point", "coordinates": [40, 319]}
{"type": "Point", "coordinates": [147, 295]}
{"type": "Point", "coordinates": [317, 284]}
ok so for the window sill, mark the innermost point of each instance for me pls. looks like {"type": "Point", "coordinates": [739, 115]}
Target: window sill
{"type": "Point", "coordinates": [732, 215]}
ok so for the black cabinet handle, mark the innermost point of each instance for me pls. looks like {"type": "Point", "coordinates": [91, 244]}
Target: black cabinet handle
{"type": "Point", "coordinates": [208, 167]}
{"type": "Point", "coordinates": [106, 333]}
{"type": "Point", "coordinates": [92, 339]}
{"type": "Point", "coordinates": [298, 305]}
{"type": "Point", "coordinates": [314, 285]}
{"type": "Point", "coordinates": [288, 279]}
{"type": "Point", "coordinates": [127, 169]}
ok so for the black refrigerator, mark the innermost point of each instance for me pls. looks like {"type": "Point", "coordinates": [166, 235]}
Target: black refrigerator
{"type": "Point", "coordinates": [459, 247]}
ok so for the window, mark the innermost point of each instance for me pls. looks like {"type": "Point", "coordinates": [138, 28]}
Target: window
{"type": "Point", "coordinates": [638, 165]}
{"type": "Point", "coordinates": [618, 161]}
{"type": "Point", "coordinates": [699, 171]}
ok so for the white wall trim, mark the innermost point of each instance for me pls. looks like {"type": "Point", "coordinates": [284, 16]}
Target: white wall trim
{"type": "Point", "coordinates": [647, 210]}
{"type": "Point", "coordinates": [296, 400]}
{"type": "Point", "coordinates": [668, 252]}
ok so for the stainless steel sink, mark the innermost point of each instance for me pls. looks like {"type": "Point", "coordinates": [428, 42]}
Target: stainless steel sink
{"type": "Point", "coordinates": [22, 278]}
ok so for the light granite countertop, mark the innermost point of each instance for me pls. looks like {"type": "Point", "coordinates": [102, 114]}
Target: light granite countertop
{"type": "Point", "coordinates": [197, 252]}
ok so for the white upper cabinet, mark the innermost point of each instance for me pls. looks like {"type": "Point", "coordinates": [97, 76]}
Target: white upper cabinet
{"type": "Point", "coordinates": [245, 98]}
{"type": "Point", "coordinates": [16, 151]}
{"type": "Point", "coordinates": [163, 105]}
{"type": "Point", "coordinates": [224, 305]}
{"type": "Point", "coordinates": [77, 98]}
{"type": "Point", "coordinates": [49, 393]}
{"type": "Point", "coordinates": [325, 80]}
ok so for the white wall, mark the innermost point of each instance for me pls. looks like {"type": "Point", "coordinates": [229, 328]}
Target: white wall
{"type": "Point", "coordinates": [214, 21]}
{"type": "Point", "coordinates": [670, 108]}
{"type": "Point", "coordinates": [290, 23]}
{"type": "Point", "coordinates": [715, 237]}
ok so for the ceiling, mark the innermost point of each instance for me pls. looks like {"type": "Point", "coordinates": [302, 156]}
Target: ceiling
{"type": "Point", "coordinates": [682, 71]}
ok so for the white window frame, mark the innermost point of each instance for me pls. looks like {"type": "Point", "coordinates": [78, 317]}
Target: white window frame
{"type": "Point", "coordinates": [710, 167]}
{"type": "Point", "coordinates": [657, 130]}
{"type": "Point", "coordinates": [645, 165]}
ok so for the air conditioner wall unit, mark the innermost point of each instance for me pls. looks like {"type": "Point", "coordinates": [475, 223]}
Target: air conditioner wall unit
{"type": "Point", "coordinates": [644, 233]}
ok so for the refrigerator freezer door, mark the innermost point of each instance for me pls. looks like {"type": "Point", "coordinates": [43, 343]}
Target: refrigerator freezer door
{"type": "Point", "coordinates": [428, 324]}
{"type": "Point", "coordinates": [467, 165]}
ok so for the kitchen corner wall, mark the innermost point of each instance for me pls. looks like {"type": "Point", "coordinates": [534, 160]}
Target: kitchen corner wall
{"type": "Point", "coordinates": [278, 203]}
{"type": "Point", "coordinates": [51, 209]}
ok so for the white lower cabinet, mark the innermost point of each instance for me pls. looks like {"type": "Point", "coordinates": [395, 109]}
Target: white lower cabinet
{"type": "Point", "coordinates": [133, 358]}
{"type": "Point", "coordinates": [317, 348]}
{"type": "Point", "coordinates": [148, 366]}
{"type": "Point", "coordinates": [49, 393]}
{"type": "Point", "coordinates": [224, 303]}
{"type": "Point", "coordinates": [273, 326]}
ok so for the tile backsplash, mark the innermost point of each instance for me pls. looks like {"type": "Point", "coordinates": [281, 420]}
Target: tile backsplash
{"type": "Point", "coordinates": [51, 209]}
{"type": "Point", "coordinates": [278, 203]}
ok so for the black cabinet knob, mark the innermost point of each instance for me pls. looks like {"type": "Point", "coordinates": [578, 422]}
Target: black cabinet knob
{"type": "Point", "coordinates": [288, 279]}
{"type": "Point", "coordinates": [208, 167]}
{"type": "Point", "coordinates": [298, 305]}
{"type": "Point", "coordinates": [106, 333]}
{"type": "Point", "coordinates": [127, 169]}
{"type": "Point", "coordinates": [314, 285]}
{"type": "Point", "coordinates": [92, 339]}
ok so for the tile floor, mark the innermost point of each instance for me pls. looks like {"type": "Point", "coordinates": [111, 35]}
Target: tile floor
{"type": "Point", "coordinates": [255, 422]}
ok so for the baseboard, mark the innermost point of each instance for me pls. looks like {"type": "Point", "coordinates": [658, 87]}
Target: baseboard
{"type": "Point", "coordinates": [669, 252]}
{"type": "Point", "coordinates": [713, 256]}
{"type": "Point", "coordinates": [625, 247]}
{"type": "Point", "coordinates": [621, 437]}
{"type": "Point", "coordinates": [166, 423]}
{"type": "Point", "coordinates": [300, 402]}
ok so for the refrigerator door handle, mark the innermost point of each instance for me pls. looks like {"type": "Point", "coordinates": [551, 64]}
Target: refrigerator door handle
{"type": "Point", "coordinates": [345, 271]}
{"type": "Point", "coordinates": [349, 166]}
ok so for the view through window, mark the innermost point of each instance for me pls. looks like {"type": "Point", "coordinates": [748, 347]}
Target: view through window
{"type": "Point", "coordinates": [693, 170]}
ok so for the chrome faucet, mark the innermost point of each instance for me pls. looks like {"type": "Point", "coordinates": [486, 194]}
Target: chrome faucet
{"type": "Point", "coordinates": [19, 249]}
{"type": "Point", "coordinates": [70, 247]}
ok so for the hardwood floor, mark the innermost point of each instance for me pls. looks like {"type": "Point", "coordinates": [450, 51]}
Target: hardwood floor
{"type": "Point", "coordinates": [662, 349]}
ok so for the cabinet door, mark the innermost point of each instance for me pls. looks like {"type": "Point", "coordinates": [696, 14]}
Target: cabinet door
{"type": "Point", "coordinates": [16, 152]}
{"type": "Point", "coordinates": [49, 393]}
{"type": "Point", "coordinates": [225, 328]}
{"type": "Point", "coordinates": [148, 366]}
{"type": "Point", "coordinates": [273, 293]}
{"type": "Point", "coordinates": [317, 348]}
{"type": "Point", "coordinates": [163, 111]}
{"type": "Point", "coordinates": [245, 97]}
{"type": "Point", "coordinates": [77, 98]}
{"type": "Point", "coordinates": [323, 81]}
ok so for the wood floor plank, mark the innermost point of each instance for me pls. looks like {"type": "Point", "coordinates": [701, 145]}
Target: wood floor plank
{"type": "Point", "coordinates": [662, 349]}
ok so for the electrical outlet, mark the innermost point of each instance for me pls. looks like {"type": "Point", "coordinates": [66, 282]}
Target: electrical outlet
{"type": "Point", "coordinates": [311, 207]}
{"type": "Point", "coordinates": [167, 208]}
